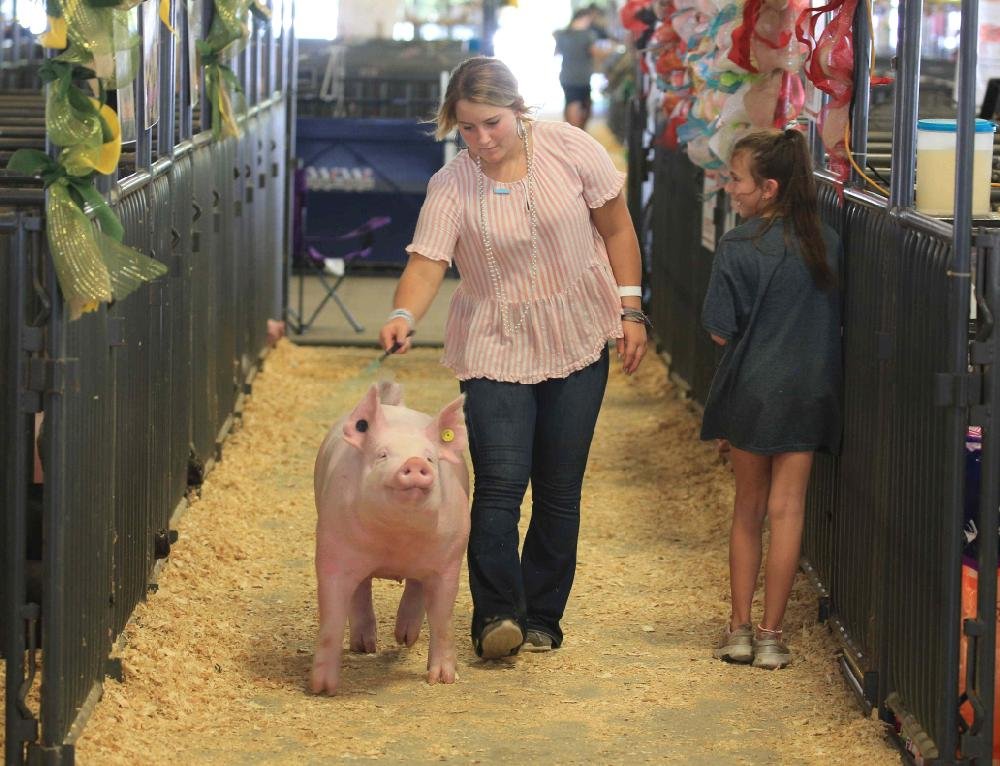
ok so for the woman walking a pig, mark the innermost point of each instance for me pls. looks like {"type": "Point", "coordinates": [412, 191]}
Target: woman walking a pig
{"type": "Point", "coordinates": [533, 216]}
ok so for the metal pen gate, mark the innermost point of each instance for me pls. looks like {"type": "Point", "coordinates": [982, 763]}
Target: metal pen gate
{"type": "Point", "coordinates": [883, 536]}
{"type": "Point", "coordinates": [136, 396]}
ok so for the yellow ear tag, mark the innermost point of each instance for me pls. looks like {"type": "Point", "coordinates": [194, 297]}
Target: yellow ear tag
{"type": "Point", "coordinates": [447, 435]}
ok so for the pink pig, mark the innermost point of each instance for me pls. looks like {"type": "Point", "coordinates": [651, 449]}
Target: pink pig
{"type": "Point", "coordinates": [392, 494]}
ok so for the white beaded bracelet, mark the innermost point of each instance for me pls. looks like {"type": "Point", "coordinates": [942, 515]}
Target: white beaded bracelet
{"type": "Point", "coordinates": [402, 314]}
{"type": "Point", "coordinates": [629, 291]}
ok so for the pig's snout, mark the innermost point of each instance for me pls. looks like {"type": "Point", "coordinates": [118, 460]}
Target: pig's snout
{"type": "Point", "coordinates": [415, 473]}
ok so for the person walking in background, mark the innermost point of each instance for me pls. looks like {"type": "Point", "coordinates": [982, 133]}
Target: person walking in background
{"type": "Point", "coordinates": [533, 215]}
{"type": "Point", "coordinates": [598, 21]}
{"type": "Point", "coordinates": [576, 45]}
{"type": "Point", "coordinates": [774, 304]}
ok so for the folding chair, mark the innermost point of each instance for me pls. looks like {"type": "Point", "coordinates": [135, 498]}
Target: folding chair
{"type": "Point", "coordinates": [310, 259]}
{"type": "Point", "coordinates": [326, 267]}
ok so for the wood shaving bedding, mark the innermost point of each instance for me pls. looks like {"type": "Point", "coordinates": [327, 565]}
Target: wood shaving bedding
{"type": "Point", "coordinates": [216, 662]}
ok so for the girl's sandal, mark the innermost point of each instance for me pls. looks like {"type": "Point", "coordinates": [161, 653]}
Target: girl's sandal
{"type": "Point", "coordinates": [735, 645]}
{"type": "Point", "coordinates": [769, 651]}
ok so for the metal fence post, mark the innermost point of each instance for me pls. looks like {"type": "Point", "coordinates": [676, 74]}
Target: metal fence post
{"type": "Point", "coordinates": [959, 281]}
{"type": "Point", "coordinates": [977, 743]}
{"type": "Point", "coordinates": [168, 92]}
{"type": "Point", "coordinates": [905, 105]}
{"type": "Point", "coordinates": [184, 87]}
{"type": "Point", "coordinates": [54, 551]}
{"type": "Point", "coordinates": [862, 90]}
{"type": "Point", "coordinates": [20, 724]}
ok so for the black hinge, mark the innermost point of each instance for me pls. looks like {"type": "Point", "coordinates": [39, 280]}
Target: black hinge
{"type": "Point", "coordinates": [249, 193]}
{"type": "Point", "coordinates": [32, 339]}
{"type": "Point", "coordinates": [964, 392]}
{"type": "Point", "coordinates": [274, 170]}
{"type": "Point", "coordinates": [974, 746]}
{"type": "Point", "coordinates": [262, 180]}
{"type": "Point", "coordinates": [957, 390]}
{"type": "Point", "coordinates": [29, 401]}
{"type": "Point", "coordinates": [116, 331]}
{"type": "Point", "coordinates": [195, 241]}
{"type": "Point", "coordinates": [238, 208]}
{"type": "Point", "coordinates": [980, 353]}
{"type": "Point", "coordinates": [51, 375]}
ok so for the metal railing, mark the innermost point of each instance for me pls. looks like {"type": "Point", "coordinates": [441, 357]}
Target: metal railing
{"type": "Point", "coordinates": [883, 536]}
{"type": "Point", "coordinates": [136, 397]}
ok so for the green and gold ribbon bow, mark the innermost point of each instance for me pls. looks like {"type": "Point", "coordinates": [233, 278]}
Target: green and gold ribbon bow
{"type": "Point", "coordinates": [55, 36]}
{"type": "Point", "coordinates": [127, 5]}
{"type": "Point", "coordinates": [229, 25]}
{"type": "Point", "coordinates": [229, 31]}
{"type": "Point", "coordinates": [88, 130]}
{"type": "Point", "coordinates": [261, 11]}
{"type": "Point", "coordinates": [221, 88]}
{"type": "Point", "coordinates": [93, 266]}
{"type": "Point", "coordinates": [95, 33]}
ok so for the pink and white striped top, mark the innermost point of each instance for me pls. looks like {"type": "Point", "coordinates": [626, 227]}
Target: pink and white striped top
{"type": "Point", "coordinates": [574, 308]}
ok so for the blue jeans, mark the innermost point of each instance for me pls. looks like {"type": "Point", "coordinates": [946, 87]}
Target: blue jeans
{"type": "Point", "coordinates": [517, 432]}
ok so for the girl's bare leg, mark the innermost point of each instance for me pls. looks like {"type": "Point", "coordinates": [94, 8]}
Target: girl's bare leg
{"type": "Point", "coordinates": [786, 506]}
{"type": "Point", "coordinates": [753, 486]}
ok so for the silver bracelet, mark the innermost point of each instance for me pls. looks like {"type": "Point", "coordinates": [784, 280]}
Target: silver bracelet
{"type": "Point", "coordinates": [637, 316]}
{"type": "Point", "coordinates": [402, 314]}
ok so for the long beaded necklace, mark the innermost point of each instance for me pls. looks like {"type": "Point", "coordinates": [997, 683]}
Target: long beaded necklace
{"type": "Point", "coordinates": [491, 261]}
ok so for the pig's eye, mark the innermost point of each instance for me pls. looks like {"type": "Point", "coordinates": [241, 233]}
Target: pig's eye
{"type": "Point", "coordinates": [382, 454]}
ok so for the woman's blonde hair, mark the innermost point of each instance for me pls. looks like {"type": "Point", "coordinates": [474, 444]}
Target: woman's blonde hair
{"type": "Point", "coordinates": [481, 80]}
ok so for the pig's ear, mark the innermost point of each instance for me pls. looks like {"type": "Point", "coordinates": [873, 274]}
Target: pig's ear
{"type": "Point", "coordinates": [447, 430]}
{"type": "Point", "coordinates": [361, 420]}
{"type": "Point", "coordinates": [390, 392]}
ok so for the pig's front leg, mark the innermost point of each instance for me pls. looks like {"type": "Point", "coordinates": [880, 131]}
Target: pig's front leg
{"type": "Point", "coordinates": [362, 619]}
{"type": "Point", "coordinates": [410, 615]}
{"type": "Point", "coordinates": [335, 590]}
{"type": "Point", "coordinates": [440, 591]}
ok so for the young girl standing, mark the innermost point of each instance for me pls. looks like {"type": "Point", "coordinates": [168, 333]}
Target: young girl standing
{"type": "Point", "coordinates": [773, 303]}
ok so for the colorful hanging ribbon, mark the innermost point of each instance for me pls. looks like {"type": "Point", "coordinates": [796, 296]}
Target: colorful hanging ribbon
{"type": "Point", "coordinates": [95, 33]}
{"type": "Point", "coordinates": [220, 81]}
{"type": "Point", "coordinates": [229, 31]}
{"type": "Point", "coordinates": [92, 266]}
{"type": "Point", "coordinates": [229, 25]}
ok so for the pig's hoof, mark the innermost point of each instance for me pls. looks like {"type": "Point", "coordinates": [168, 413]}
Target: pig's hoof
{"type": "Point", "coordinates": [323, 679]}
{"type": "Point", "coordinates": [408, 630]}
{"type": "Point", "coordinates": [320, 685]}
{"type": "Point", "coordinates": [364, 643]}
{"type": "Point", "coordinates": [443, 673]}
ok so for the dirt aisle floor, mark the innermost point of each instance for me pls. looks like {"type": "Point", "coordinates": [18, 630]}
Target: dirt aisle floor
{"type": "Point", "coordinates": [216, 662]}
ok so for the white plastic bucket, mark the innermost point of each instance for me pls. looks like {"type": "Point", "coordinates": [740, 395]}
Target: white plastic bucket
{"type": "Point", "coordinates": [936, 140]}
